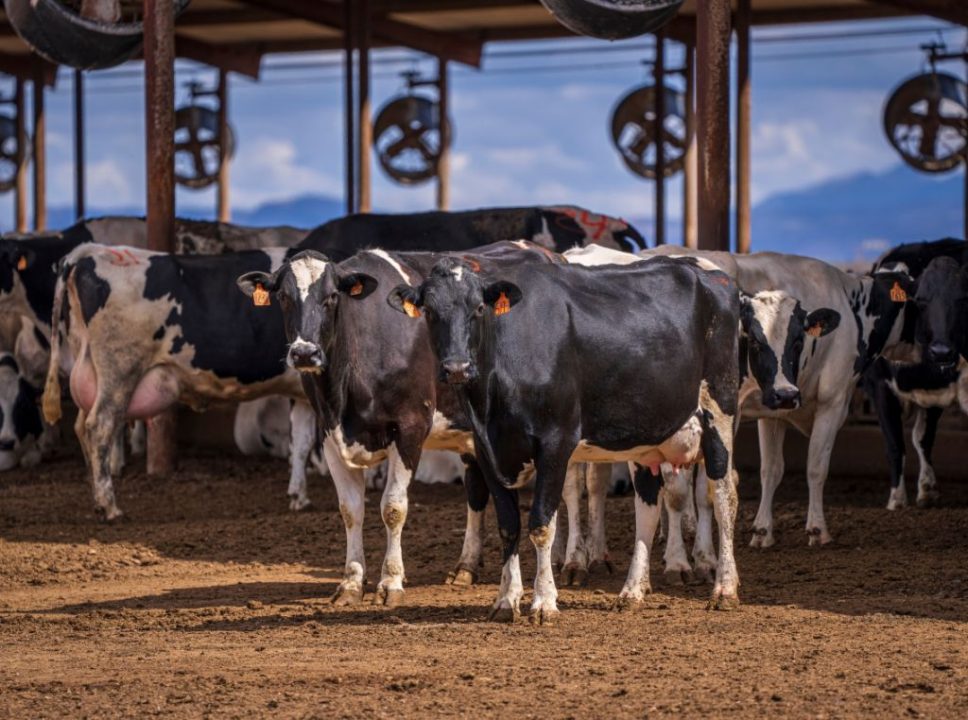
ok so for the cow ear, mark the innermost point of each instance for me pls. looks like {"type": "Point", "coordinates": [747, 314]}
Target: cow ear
{"type": "Point", "coordinates": [357, 285]}
{"type": "Point", "coordinates": [405, 299]}
{"type": "Point", "coordinates": [901, 286]}
{"type": "Point", "coordinates": [252, 282]}
{"type": "Point", "coordinates": [24, 258]}
{"type": "Point", "coordinates": [502, 296]}
{"type": "Point", "coordinates": [745, 311]}
{"type": "Point", "coordinates": [821, 322]}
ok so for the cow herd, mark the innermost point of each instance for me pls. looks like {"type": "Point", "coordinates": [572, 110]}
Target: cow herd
{"type": "Point", "coordinates": [542, 346]}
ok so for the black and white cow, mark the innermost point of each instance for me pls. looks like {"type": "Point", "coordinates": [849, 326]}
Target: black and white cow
{"type": "Point", "coordinates": [21, 429]}
{"type": "Point", "coordinates": [147, 330]}
{"type": "Point", "coordinates": [557, 364]}
{"type": "Point", "coordinates": [555, 228]}
{"type": "Point", "coordinates": [869, 308]}
{"type": "Point", "coordinates": [773, 330]}
{"type": "Point", "coordinates": [373, 384]}
{"type": "Point", "coordinates": [928, 367]}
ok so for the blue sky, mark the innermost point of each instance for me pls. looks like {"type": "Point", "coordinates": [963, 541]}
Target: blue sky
{"type": "Point", "coordinates": [524, 133]}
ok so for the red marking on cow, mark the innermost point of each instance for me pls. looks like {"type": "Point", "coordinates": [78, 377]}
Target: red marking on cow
{"type": "Point", "coordinates": [472, 263]}
{"type": "Point", "coordinates": [594, 225]}
{"type": "Point", "coordinates": [122, 258]}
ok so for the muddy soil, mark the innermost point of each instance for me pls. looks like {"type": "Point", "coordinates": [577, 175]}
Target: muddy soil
{"type": "Point", "coordinates": [212, 600]}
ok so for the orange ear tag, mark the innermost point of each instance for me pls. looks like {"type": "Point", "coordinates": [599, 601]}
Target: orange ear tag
{"type": "Point", "coordinates": [814, 331]}
{"type": "Point", "coordinates": [260, 296]}
{"type": "Point", "coordinates": [897, 293]}
{"type": "Point", "coordinates": [357, 289]}
{"type": "Point", "coordinates": [503, 305]}
{"type": "Point", "coordinates": [22, 263]}
{"type": "Point", "coordinates": [411, 309]}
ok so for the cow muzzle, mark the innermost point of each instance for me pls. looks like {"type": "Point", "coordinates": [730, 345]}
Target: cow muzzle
{"type": "Point", "coordinates": [306, 357]}
{"type": "Point", "coordinates": [941, 353]}
{"type": "Point", "coordinates": [457, 372]}
{"type": "Point", "coordinates": [8, 444]}
{"type": "Point", "coordinates": [783, 398]}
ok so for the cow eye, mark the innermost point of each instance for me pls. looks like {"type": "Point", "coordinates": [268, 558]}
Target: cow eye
{"type": "Point", "coordinates": [480, 310]}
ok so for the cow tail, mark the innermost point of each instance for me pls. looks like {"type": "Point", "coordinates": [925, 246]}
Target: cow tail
{"type": "Point", "coordinates": [52, 388]}
{"type": "Point", "coordinates": [483, 449]}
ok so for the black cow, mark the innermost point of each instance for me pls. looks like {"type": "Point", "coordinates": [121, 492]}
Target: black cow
{"type": "Point", "coordinates": [556, 228]}
{"type": "Point", "coordinates": [929, 362]}
{"type": "Point", "coordinates": [20, 425]}
{"type": "Point", "coordinates": [373, 384]}
{"type": "Point", "coordinates": [563, 363]}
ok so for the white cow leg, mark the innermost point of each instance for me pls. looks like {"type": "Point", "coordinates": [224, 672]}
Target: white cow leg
{"type": "Point", "coordinates": [703, 550]}
{"type": "Point", "coordinates": [575, 570]}
{"type": "Point", "coordinates": [726, 500]}
{"type": "Point", "coordinates": [826, 424]}
{"type": "Point", "coordinates": [350, 491]}
{"type": "Point", "coordinates": [772, 433]}
{"type": "Point", "coordinates": [507, 607]}
{"type": "Point", "coordinates": [544, 607]}
{"type": "Point", "coordinates": [598, 478]}
{"type": "Point", "coordinates": [302, 437]}
{"type": "Point", "coordinates": [922, 437]}
{"type": "Point", "coordinates": [393, 508]}
{"type": "Point", "coordinates": [103, 427]}
{"type": "Point", "coordinates": [689, 511]}
{"type": "Point", "coordinates": [676, 491]}
{"type": "Point", "coordinates": [637, 584]}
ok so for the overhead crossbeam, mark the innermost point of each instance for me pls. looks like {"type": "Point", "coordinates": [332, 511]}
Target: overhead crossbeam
{"type": "Point", "coordinates": [955, 11]}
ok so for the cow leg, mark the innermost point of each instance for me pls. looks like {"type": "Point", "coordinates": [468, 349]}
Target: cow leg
{"type": "Point", "coordinates": [575, 571]}
{"type": "Point", "coordinates": [922, 436]}
{"type": "Point", "coordinates": [116, 461]}
{"type": "Point", "coordinates": [771, 432]}
{"type": "Point", "coordinates": [826, 424]}
{"type": "Point", "coordinates": [598, 478]}
{"type": "Point", "coordinates": [507, 607]}
{"type": "Point", "coordinates": [302, 437]}
{"type": "Point", "coordinates": [689, 512]}
{"type": "Point", "coordinates": [676, 484]}
{"type": "Point", "coordinates": [79, 425]}
{"type": "Point", "coordinates": [103, 428]}
{"type": "Point", "coordinates": [703, 550]}
{"type": "Point", "coordinates": [552, 467]}
{"type": "Point", "coordinates": [888, 409]}
{"type": "Point", "coordinates": [647, 488]}
{"type": "Point", "coordinates": [350, 491]}
{"type": "Point", "coordinates": [138, 438]}
{"type": "Point", "coordinates": [471, 556]}
{"type": "Point", "coordinates": [393, 508]}
{"type": "Point", "coordinates": [561, 541]}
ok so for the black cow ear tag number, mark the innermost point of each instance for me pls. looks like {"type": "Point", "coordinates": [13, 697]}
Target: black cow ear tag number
{"type": "Point", "coordinates": [357, 289]}
{"type": "Point", "coordinates": [260, 296]}
{"type": "Point", "coordinates": [22, 263]}
{"type": "Point", "coordinates": [898, 294]}
{"type": "Point", "coordinates": [411, 309]}
{"type": "Point", "coordinates": [502, 306]}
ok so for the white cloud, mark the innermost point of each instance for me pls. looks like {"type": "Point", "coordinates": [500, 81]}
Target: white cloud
{"type": "Point", "coordinates": [273, 169]}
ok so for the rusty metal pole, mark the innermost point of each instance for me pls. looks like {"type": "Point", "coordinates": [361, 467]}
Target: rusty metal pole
{"type": "Point", "coordinates": [712, 116]}
{"type": "Point", "coordinates": [20, 199]}
{"type": "Point", "coordinates": [690, 216]}
{"type": "Point", "coordinates": [39, 149]}
{"type": "Point", "coordinates": [658, 131]}
{"type": "Point", "coordinates": [159, 52]}
{"type": "Point", "coordinates": [223, 199]}
{"type": "Point", "coordinates": [744, 109]}
{"type": "Point", "coordinates": [79, 144]}
{"type": "Point", "coordinates": [443, 163]}
{"type": "Point", "coordinates": [363, 104]}
{"type": "Point", "coordinates": [349, 110]}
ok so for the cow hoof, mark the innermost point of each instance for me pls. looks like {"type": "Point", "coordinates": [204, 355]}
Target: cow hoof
{"type": "Point", "coordinates": [109, 517]}
{"type": "Point", "coordinates": [897, 501]}
{"type": "Point", "coordinates": [704, 575]}
{"type": "Point", "coordinates": [347, 595]}
{"type": "Point", "coordinates": [574, 575]}
{"type": "Point", "coordinates": [929, 499]}
{"type": "Point", "coordinates": [297, 504]}
{"type": "Point", "coordinates": [596, 565]}
{"type": "Point", "coordinates": [502, 612]}
{"type": "Point", "coordinates": [677, 578]}
{"type": "Point", "coordinates": [762, 538]}
{"type": "Point", "coordinates": [390, 598]}
{"type": "Point", "coordinates": [722, 601]}
{"type": "Point", "coordinates": [544, 617]}
{"type": "Point", "coordinates": [461, 576]}
{"type": "Point", "coordinates": [630, 597]}
{"type": "Point", "coordinates": [556, 567]}
{"type": "Point", "coordinates": [816, 536]}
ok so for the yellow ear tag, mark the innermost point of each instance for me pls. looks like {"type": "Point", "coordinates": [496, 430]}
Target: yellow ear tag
{"type": "Point", "coordinates": [22, 263]}
{"type": "Point", "coordinates": [260, 296]}
{"type": "Point", "coordinates": [411, 309]}
{"type": "Point", "coordinates": [897, 293]}
{"type": "Point", "coordinates": [814, 331]}
{"type": "Point", "coordinates": [503, 305]}
{"type": "Point", "coordinates": [357, 289]}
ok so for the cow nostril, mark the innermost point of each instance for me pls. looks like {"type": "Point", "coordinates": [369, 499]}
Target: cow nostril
{"type": "Point", "coordinates": [7, 445]}
{"type": "Point", "coordinates": [939, 351]}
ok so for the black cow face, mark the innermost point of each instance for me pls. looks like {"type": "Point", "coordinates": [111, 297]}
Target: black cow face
{"type": "Point", "coordinates": [14, 259]}
{"type": "Point", "coordinates": [459, 304]}
{"type": "Point", "coordinates": [941, 298]}
{"type": "Point", "coordinates": [309, 290]}
{"type": "Point", "coordinates": [776, 328]}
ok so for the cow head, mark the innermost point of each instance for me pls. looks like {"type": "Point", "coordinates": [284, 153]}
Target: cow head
{"type": "Point", "coordinates": [775, 328]}
{"type": "Point", "coordinates": [19, 414]}
{"type": "Point", "coordinates": [15, 258]}
{"type": "Point", "coordinates": [309, 289]}
{"type": "Point", "coordinates": [458, 303]}
{"type": "Point", "coordinates": [941, 297]}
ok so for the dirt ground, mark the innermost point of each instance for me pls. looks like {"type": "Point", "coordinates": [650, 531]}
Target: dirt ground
{"type": "Point", "coordinates": [212, 600]}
